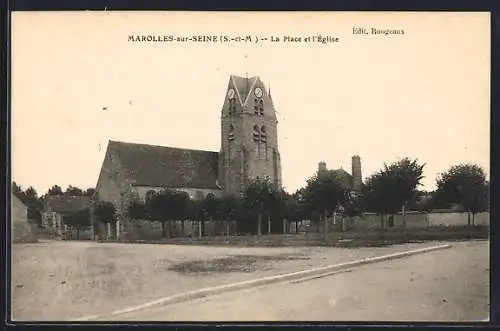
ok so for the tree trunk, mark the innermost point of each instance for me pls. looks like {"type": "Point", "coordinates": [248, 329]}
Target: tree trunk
{"type": "Point", "coordinates": [200, 229]}
{"type": "Point", "coordinates": [117, 229]}
{"type": "Point", "coordinates": [284, 226]}
{"type": "Point", "coordinates": [325, 216]}
{"type": "Point", "coordinates": [405, 232]}
{"type": "Point", "coordinates": [77, 233]}
{"type": "Point", "coordinates": [473, 219]}
{"type": "Point", "coordinates": [382, 221]}
{"type": "Point", "coordinates": [163, 229]}
{"type": "Point", "coordinates": [108, 230]}
{"type": "Point", "coordinates": [468, 219]}
{"type": "Point", "coordinates": [268, 224]}
{"type": "Point", "coordinates": [182, 228]}
{"type": "Point", "coordinates": [259, 224]}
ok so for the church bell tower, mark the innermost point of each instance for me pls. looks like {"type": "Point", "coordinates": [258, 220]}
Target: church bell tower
{"type": "Point", "coordinates": [249, 136]}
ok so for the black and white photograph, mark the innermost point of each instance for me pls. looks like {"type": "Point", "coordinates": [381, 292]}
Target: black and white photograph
{"type": "Point", "coordinates": [250, 166]}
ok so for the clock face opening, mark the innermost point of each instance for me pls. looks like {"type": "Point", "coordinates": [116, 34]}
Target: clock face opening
{"type": "Point", "coordinates": [258, 92]}
{"type": "Point", "coordinates": [230, 94]}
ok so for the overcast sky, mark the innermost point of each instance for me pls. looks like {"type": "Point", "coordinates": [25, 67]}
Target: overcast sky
{"type": "Point", "coordinates": [424, 94]}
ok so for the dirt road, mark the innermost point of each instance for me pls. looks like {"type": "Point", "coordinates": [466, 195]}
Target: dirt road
{"type": "Point", "coordinates": [445, 285]}
{"type": "Point", "coordinates": [69, 280]}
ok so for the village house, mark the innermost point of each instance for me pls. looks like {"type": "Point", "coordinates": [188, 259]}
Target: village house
{"type": "Point", "coordinates": [57, 206]}
{"type": "Point", "coordinates": [22, 230]}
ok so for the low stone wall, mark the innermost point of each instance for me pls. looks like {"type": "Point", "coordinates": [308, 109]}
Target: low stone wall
{"type": "Point", "coordinates": [413, 220]}
{"type": "Point", "coordinates": [148, 230]}
{"type": "Point", "coordinates": [342, 239]}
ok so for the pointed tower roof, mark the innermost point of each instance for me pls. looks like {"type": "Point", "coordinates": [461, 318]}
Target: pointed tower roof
{"type": "Point", "coordinates": [243, 85]}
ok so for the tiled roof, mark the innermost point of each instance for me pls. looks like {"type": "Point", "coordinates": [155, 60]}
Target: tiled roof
{"type": "Point", "coordinates": [149, 165]}
{"type": "Point", "coordinates": [67, 203]}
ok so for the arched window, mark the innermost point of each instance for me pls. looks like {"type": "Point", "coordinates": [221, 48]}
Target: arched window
{"type": "Point", "coordinates": [149, 195]}
{"type": "Point", "coordinates": [263, 141]}
{"type": "Point", "coordinates": [230, 136]}
{"type": "Point", "coordinates": [258, 107]}
{"type": "Point", "coordinates": [232, 106]}
{"type": "Point", "coordinates": [263, 135]}
{"type": "Point", "coordinates": [256, 133]}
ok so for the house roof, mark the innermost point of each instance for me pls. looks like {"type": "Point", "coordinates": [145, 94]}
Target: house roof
{"type": "Point", "coordinates": [344, 174]}
{"type": "Point", "coordinates": [67, 203]}
{"type": "Point", "coordinates": [149, 165]}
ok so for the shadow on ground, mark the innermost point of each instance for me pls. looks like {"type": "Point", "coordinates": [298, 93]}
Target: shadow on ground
{"type": "Point", "coordinates": [234, 263]}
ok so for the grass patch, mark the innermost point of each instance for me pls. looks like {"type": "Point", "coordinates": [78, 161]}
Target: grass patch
{"type": "Point", "coordinates": [234, 263]}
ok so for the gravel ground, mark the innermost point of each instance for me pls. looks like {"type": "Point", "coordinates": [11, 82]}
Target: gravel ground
{"type": "Point", "coordinates": [69, 280]}
{"type": "Point", "coordinates": [450, 285]}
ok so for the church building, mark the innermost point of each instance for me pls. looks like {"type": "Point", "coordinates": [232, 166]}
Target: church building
{"type": "Point", "coordinates": [249, 150]}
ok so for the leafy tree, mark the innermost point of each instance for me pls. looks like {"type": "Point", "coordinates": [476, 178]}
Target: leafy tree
{"type": "Point", "coordinates": [166, 206]}
{"type": "Point", "coordinates": [292, 211]}
{"type": "Point", "coordinates": [195, 212]}
{"type": "Point", "coordinates": [324, 193]}
{"type": "Point", "coordinates": [78, 220]}
{"type": "Point", "coordinates": [404, 176]}
{"type": "Point", "coordinates": [73, 191]}
{"type": "Point", "coordinates": [464, 184]}
{"type": "Point", "coordinates": [105, 212]}
{"type": "Point", "coordinates": [137, 210]}
{"type": "Point", "coordinates": [180, 204]}
{"type": "Point", "coordinates": [227, 207]}
{"type": "Point", "coordinates": [259, 196]}
{"type": "Point", "coordinates": [393, 188]}
{"type": "Point", "coordinates": [55, 190]}
{"type": "Point", "coordinates": [89, 192]}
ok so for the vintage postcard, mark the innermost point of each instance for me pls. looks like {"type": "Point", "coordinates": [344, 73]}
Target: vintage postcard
{"type": "Point", "coordinates": [250, 166]}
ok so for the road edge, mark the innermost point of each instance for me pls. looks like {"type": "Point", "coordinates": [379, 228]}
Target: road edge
{"type": "Point", "coordinates": [204, 292]}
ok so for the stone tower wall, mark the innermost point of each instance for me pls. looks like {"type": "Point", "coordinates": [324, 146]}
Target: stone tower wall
{"type": "Point", "coordinates": [242, 158]}
{"type": "Point", "coordinates": [357, 179]}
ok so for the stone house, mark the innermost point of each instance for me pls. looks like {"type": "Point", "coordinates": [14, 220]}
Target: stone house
{"type": "Point", "coordinates": [22, 230]}
{"type": "Point", "coordinates": [352, 180]}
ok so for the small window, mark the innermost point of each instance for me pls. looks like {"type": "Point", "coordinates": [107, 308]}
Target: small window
{"type": "Point", "coordinates": [256, 133]}
{"type": "Point", "coordinates": [231, 133]}
{"type": "Point", "coordinates": [232, 106]}
{"type": "Point", "coordinates": [258, 107]}
{"type": "Point", "coordinates": [263, 135]}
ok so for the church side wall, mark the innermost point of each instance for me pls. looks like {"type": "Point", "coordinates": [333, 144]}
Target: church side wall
{"type": "Point", "coordinates": [194, 193]}
{"type": "Point", "coordinates": [112, 186]}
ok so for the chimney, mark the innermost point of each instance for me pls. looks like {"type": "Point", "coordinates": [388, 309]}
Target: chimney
{"type": "Point", "coordinates": [321, 167]}
{"type": "Point", "coordinates": [357, 179]}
